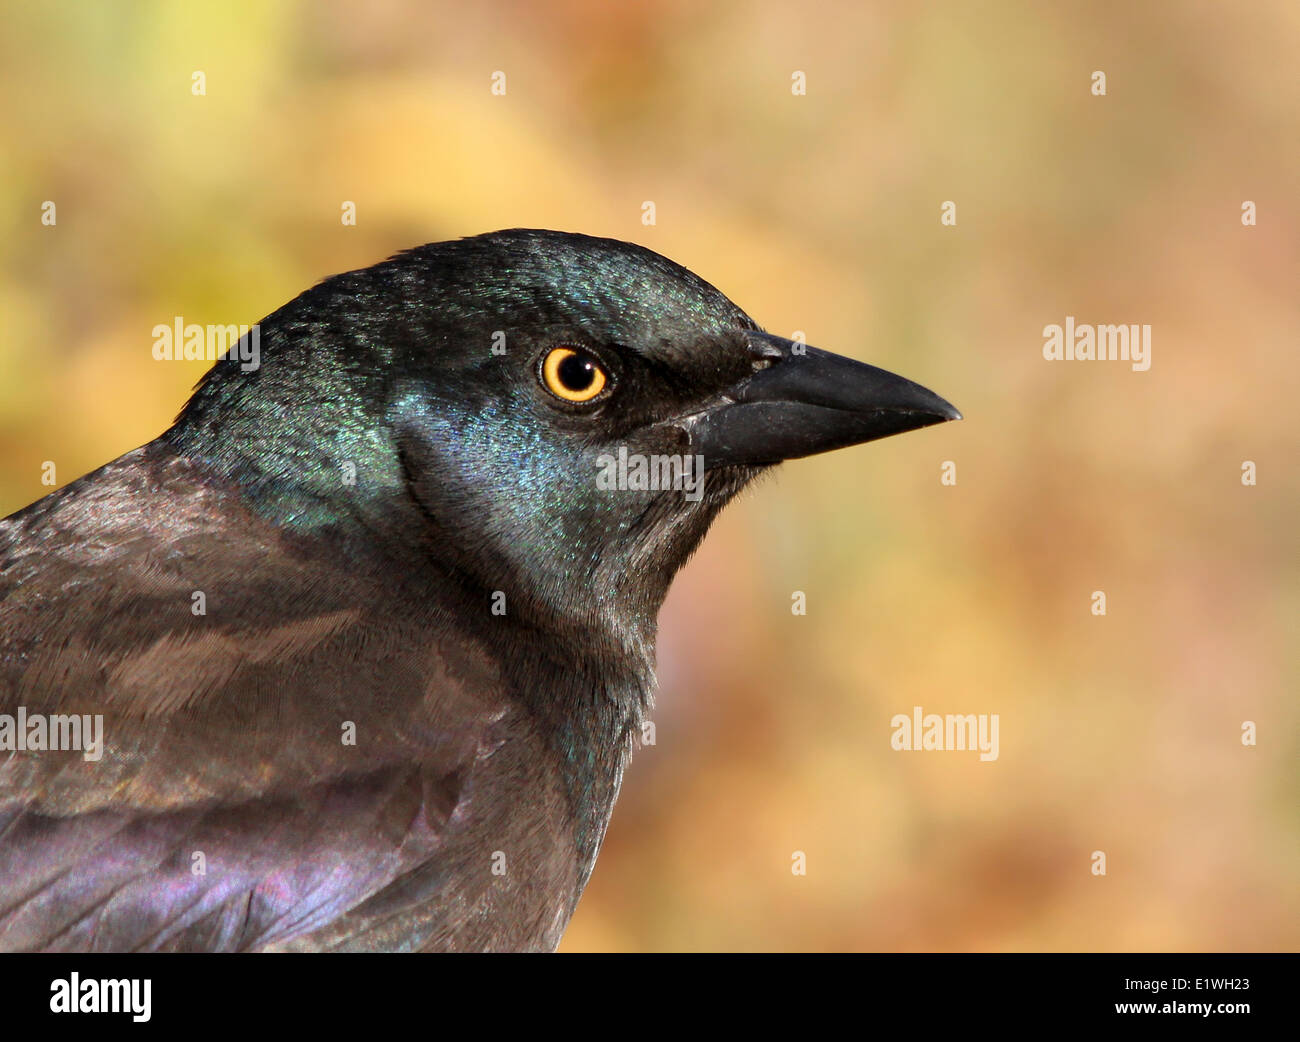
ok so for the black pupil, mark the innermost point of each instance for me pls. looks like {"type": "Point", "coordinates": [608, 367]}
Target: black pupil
{"type": "Point", "coordinates": [576, 373]}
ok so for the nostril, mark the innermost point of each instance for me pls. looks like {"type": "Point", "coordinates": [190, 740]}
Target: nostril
{"type": "Point", "coordinates": [765, 349]}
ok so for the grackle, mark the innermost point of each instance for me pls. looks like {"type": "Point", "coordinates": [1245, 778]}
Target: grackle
{"type": "Point", "coordinates": [369, 632]}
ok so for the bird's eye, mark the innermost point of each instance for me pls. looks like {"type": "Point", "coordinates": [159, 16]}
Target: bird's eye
{"type": "Point", "coordinates": [572, 375]}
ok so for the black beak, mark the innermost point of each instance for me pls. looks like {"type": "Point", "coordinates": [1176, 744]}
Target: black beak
{"type": "Point", "coordinates": [808, 401]}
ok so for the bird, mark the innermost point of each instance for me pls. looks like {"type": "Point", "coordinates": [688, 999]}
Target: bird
{"type": "Point", "coordinates": [370, 639]}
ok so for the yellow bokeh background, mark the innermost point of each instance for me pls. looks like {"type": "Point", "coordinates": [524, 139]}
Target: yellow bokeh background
{"type": "Point", "coordinates": [821, 213]}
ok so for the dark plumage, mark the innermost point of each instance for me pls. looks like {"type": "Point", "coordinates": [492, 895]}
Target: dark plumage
{"type": "Point", "coordinates": [355, 513]}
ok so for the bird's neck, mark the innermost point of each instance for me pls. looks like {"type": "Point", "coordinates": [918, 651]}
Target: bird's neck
{"type": "Point", "coordinates": [590, 705]}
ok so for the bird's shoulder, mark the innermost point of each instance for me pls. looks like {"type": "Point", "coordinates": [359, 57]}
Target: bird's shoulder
{"type": "Point", "coordinates": [265, 706]}
{"type": "Point", "coordinates": [152, 596]}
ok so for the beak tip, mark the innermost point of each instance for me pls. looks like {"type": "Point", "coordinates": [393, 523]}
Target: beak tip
{"type": "Point", "coordinates": [940, 408]}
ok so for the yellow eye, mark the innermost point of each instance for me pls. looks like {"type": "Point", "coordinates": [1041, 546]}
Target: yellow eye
{"type": "Point", "coordinates": [572, 375]}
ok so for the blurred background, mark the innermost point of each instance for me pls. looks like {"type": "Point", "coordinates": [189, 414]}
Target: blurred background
{"type": "Point", "coordinates": [817, 212]}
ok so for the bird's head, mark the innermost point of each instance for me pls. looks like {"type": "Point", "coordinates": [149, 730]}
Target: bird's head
{"type": "Point", "coordinates": [553, 416]}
